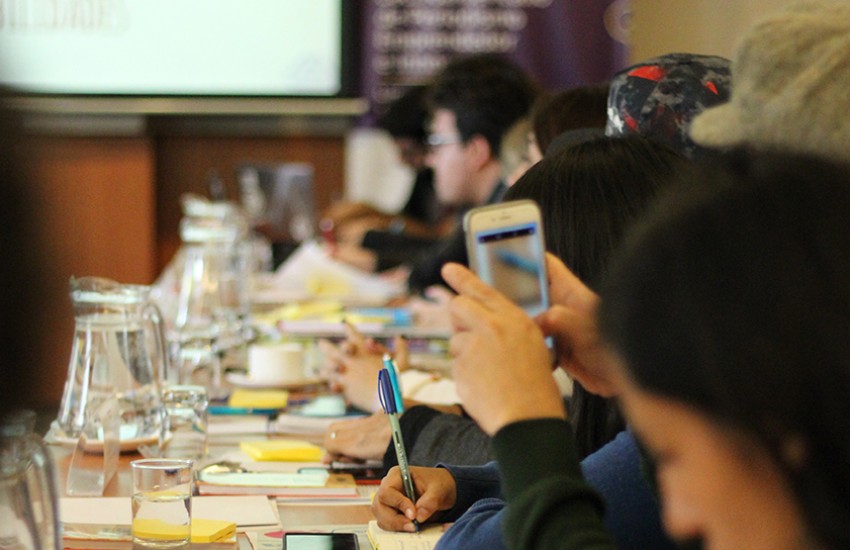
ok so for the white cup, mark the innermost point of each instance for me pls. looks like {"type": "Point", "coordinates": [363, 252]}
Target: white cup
{"type": "Point", "coordinates": [276, 363]}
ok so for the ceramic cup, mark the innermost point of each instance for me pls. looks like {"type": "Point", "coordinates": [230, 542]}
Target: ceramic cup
{"type": "Point", "coordinates": [279, 363]}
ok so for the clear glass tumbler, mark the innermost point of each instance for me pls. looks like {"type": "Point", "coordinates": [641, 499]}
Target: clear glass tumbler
{"type": "Point", "coordinates": [184, 427]}
{"type": "Point", "coordinates": [162, 502]}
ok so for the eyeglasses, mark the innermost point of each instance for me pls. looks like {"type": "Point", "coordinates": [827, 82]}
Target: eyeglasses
{"type": "Point", "coordinates": [436, 140]}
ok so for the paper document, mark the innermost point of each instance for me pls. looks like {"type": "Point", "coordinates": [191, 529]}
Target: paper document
{"type": "Point", "coordinates": [425, 539]}
{"type": "Point", "coordinates": [245, 511]}
{"type": "Point", "coordinates": [311, 272]}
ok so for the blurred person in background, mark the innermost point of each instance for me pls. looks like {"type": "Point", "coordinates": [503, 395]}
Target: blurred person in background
{"type": "Point", "coordinates": [474, 100]}
{"type": "Point", "coordinates": [375, 240]}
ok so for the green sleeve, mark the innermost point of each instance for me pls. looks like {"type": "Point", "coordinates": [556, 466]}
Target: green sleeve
{"type": "Point", "coordinates": [549, 503]}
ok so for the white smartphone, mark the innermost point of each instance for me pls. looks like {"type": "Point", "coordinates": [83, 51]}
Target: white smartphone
{"type": "Point", "coordinates": [507, 251]}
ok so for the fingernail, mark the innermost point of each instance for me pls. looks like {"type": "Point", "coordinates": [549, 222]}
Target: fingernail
{"type": "Point", "coordinates": [410, 514]}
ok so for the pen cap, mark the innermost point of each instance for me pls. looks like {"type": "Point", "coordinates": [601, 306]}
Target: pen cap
{"type": "Point", "coordinates": [390, 367]}
{"type": "Point", "coordinates": [385, 392]}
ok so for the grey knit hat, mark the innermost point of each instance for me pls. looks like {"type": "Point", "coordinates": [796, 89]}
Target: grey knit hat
{"type": "Point", "coordinates": [790, 85]}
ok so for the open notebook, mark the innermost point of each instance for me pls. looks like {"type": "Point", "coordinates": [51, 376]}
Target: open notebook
{"type": "Point", "coordinates": [425, 539]}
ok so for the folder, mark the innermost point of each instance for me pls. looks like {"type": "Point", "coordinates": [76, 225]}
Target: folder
{"type": "Point", "coordinates": [279, 485]}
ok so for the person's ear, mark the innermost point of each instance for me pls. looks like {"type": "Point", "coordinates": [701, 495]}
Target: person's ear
{"type": "Point", "coordinates": [479, 151]}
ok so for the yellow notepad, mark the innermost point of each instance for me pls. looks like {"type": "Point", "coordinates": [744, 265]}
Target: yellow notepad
{"type": "Point", "coordinates": [258, 399]}
{"type": "Point", "coordinates": [211, 530]}
{"type": "Point", "coordinates": [202, 530]}
{"type": "Point", "coordinates": [282, 449]}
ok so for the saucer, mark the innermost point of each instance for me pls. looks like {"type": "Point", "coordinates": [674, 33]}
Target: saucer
{"type": "Point", "coordinates": [241, 380]}
{"type": "Point", "coordinates": [95, 446]}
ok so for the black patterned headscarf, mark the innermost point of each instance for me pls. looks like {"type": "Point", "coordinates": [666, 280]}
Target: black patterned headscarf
{"type": "Point", "coordinates": [659, 97]}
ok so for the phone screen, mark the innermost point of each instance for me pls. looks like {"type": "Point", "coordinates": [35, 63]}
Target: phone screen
{"type": "Point", "coordinates": [320, 541]}
{"type": "Point", "coordinates": [511, 260]}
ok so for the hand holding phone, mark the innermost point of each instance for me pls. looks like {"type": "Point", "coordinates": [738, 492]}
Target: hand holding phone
{"type": "Point", "coordinates": [506, 250]}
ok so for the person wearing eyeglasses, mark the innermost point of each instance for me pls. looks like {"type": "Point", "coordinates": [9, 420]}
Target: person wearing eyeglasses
{"type": "Point", "coordinates": [474, 100]}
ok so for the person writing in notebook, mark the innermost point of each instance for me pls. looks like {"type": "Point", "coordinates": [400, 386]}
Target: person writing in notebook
{"type": "Point", "coordinates": [589, 194]}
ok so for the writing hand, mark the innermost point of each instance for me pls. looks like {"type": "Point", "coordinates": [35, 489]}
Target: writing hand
{"type": "Point", "coordinates": [437, 492]}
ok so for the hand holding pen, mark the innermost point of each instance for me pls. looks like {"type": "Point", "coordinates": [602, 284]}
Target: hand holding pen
{"type": "Point", "coordinates": [389, 395]}
{"type": "Point", "coordinates": [437, 493]}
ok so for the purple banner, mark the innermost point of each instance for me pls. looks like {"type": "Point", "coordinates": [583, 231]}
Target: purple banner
{"type": "Point", "coordinates": [561, 43]}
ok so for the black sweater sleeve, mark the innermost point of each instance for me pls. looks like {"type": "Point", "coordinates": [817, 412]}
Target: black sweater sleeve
{"type": "Point", "coordinates": [549, 503]}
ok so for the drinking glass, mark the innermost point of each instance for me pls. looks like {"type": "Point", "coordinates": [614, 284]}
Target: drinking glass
{"type": "Point", "coordinates": [185, 421]}
{"type": "Point", "coordinates": [162, 502]}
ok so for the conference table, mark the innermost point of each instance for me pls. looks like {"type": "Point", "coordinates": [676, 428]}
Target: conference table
{"type": "Point", "coordinates": [293, 516]}
{"type": "Point", "coordinates": [427, 345]}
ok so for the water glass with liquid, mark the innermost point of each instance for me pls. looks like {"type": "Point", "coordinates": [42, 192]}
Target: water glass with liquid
{"type": "Point", "coordinates": [184, 427]}
{"type": "Point", "coordinates": [162, 502]}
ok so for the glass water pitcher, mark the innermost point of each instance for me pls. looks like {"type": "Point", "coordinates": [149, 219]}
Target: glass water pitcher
{"type": "Point", "coordinates": [118, 353]}
{"type": "Point", "coordinates": [212, 306]}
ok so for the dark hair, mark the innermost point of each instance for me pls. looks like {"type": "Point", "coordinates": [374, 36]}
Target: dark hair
{"type": "Point", "coordinates": [407, 115]}
{"type": "Point", "coordinates": [487, 93]}
{"type": "Point", "coordinates": [735, 299]}
{"type": "Point", "coordinates": [554, 114]}
{"type": "Point", "coordinates": [589, 194]}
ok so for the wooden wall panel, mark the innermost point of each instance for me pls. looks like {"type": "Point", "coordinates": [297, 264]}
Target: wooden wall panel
{"type": "Point", "coordinates": [95, 206]}
{"type": "Point", "coordinates": [184, 163]}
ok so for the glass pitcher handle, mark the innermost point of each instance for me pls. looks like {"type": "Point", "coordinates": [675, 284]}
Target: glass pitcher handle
{"type": "Point", "coordinates": [154, 315]}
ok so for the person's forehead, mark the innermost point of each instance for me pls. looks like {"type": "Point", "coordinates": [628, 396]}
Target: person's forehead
{"type": "Point", "coordinates": [443, 121]}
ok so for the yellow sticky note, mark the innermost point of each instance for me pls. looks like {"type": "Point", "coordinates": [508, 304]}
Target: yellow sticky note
{"type": "Point", "coordinates": [211, 530]}
{"type": "Point", "coordinates": [148, 528]}
{"type": "Point", "coordinates": [202, 530]}
{"type": "Point", "coordinates": [283, 450]}
{"type": "Point", "coordinates": [258, 399]}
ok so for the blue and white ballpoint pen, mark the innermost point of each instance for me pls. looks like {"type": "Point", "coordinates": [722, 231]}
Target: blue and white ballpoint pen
{"type": "Point", "coordinates": [388, 402]}
{"type": "Point", "coordinates": [389, 364]}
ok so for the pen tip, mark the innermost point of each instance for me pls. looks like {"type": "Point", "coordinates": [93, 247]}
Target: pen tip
{"type": "Point", "coordinates": [416, 525]}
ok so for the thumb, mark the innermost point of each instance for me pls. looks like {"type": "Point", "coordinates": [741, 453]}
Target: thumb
{"type": "Point", "coordinates": [425, 507]}
{"type": "Point", "coordinates": [424, 510]}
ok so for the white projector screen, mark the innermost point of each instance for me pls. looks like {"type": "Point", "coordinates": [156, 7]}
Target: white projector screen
{"type": "Point", "coordinates": [172, 47]}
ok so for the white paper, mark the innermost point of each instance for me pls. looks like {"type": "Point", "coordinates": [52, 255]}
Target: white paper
{"type": "Point", "coordinates": [309, 271]}
{"type": "Point", "coordinates": [244, 511]}
{"type": "Point", "coordinates": [240, 426]}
